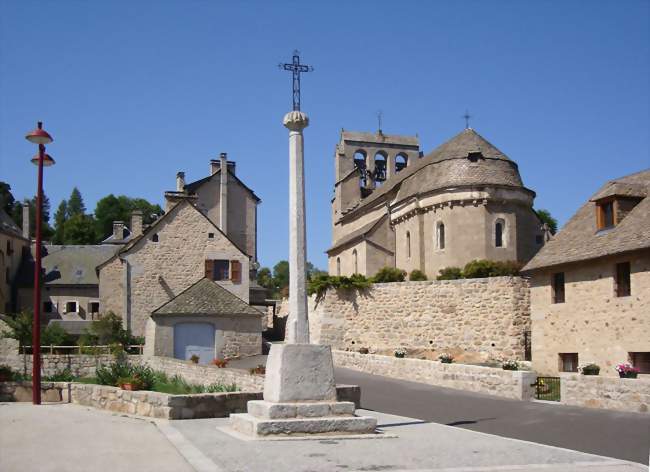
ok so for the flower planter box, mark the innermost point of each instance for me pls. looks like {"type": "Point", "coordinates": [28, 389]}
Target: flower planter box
{"type": "Point", "coordinates": [628, 375]}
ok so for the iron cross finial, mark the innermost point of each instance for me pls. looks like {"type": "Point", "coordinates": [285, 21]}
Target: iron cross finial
{"type": "Point", "coordinates": [467, 116]}
{"type": "Point", "coordinates": [296, 68]}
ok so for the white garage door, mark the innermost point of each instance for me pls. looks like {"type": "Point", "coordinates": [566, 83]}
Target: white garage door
{"type": "Point", "coordinates": [194, 338]}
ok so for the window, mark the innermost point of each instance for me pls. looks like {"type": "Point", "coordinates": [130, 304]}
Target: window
{"type": "Point", "coordinates": [408, 244]}
{"type": "Point", "coordinates": [356, 264]}
{"type": "Point", "coordinates": [48, 307]}
{"type": "Point", "coordinates": [338, 266]}
{"type": "Point", "coordinates": [569, 362]}
{"type": "Point", "coordinates": [605, 215]}
{"type": "Point", "coordinates": [380, 168]}
{"type": "Point", "coordinates": [71, 307]}
{"type": "Point", "coordinates": [360, 165]}
{"type": "Point", "coordinates": [401, 162]}
{"type": "Point", "coordinates": [557, 285]}
{"type": "Point", "coordinates": [498, 233]}
{"type": "Point", "coordinates": [475, 156]}
{"type": "Point", "coordinates": [210, 235]}
{"type": "Point", "coordinates": [440, 236]}
{"type": "Point", "coordinates": [154, 238]}
{"type": "Point", "coordinates": [641, 360]}
{"type": "Point", "coordinates": [9, 248]}
{"type": "Point", "coordinates": [93, 307]}
{"type": "Point", "coordinates": [217, 269]}
{"type": "Point", "coordinates": [622, 285]}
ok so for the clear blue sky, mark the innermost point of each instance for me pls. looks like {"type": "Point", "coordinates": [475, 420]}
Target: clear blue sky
{"type": "Point", "coordinates": [134, 91]}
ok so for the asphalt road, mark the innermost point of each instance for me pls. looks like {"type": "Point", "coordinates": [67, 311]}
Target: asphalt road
{"type": "Point", "coordinates": [607, 433]}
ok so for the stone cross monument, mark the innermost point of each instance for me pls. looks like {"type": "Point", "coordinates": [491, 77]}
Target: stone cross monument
{"type": "Point", "coordinates": [299, 390]}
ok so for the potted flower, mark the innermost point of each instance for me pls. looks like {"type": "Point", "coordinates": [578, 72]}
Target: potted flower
{"type": "Point", "coordinates": [194, 358]}
{"type": "Point", "coordinates": [510, 364]}
{"type": "Point", "coordinates": [589, 369]}
{"type": "Point", "coordinates": [221, 363]}
{"type": "Point", "coordinates": [400, 352]}
{"type": "Point", "coordinates": [446, 358]}
{"type": "Point", "coordinates": [627, 371]}
{"type": "Point", "coordinates": [363, 350]}
{"type": "Point", "coordinates": [129, 383]}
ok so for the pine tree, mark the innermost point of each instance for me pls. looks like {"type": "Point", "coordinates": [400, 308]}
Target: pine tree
{"type": "Point", "coordinates": [60, 217]}
{"type": "Point", "coordinates": [76, 204]}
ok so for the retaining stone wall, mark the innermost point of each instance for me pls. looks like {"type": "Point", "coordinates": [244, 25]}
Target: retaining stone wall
{"type": "Point", "coordinates": [22, 391]}
{"type": "Point", "coordinates": [81, 365]}
{"type": "Point", "coordinates": [489, 380]}
{"type": "Point", "coordinates": [611, 393]}
{"type": "Point", "coordinates": [480, 319]}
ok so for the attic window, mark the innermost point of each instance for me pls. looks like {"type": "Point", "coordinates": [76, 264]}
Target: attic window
{"type": "Point", "coordinates": [605, 214]}
{"type": "Point", "coordinates": [475, 156]}
{"type": "Point", "coordinates": [154, 238]}
{"type": "Point", "coordinates": [210, 235]}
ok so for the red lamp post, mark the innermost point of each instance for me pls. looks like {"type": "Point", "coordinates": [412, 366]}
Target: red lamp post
{"type": "Point", "coordinates": [41, 137]}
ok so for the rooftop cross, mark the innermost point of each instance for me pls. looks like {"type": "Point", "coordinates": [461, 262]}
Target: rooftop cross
{"type": "Point", "coordinates": [296, 67]}
{"type": "Point", "coordinates": [380, 115]}
{"type": "Point", "coordinates": [467, 116]}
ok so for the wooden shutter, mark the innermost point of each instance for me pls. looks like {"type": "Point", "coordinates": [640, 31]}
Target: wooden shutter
{"type": "Point", "coordinates": [209, 269]}
{"type": "Point", "coordinates": [235, 272]}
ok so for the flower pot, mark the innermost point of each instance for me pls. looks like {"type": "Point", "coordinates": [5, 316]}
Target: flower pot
{"type": "Point", "coordinates": [590, 371]}
{"type": "Point", "coordinates": [400, 356]}
{"type": "Point", "coordinates": [127, 386]}
{"type": "Point", "coordinates": [627, 375]}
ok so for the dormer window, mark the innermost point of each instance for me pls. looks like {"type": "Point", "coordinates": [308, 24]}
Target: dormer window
{"type": "Point", "coordinates": [475, 156]}
{"type": "Point", "coordinates": [605, 214]}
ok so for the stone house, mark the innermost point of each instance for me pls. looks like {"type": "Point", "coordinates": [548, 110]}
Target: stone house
{"type": "Point", "coordinates": [590, 285]}
{"type": "Point", "coordinates": [176, 251]}
{"type": "Point", "coordinates": [14, 246]}
{"type": "Point", "coordinates": [395, 207]}
{"type": "Point", "coordinates": [204, 320]}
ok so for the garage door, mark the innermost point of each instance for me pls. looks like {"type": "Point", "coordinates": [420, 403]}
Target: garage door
{"type": "Point", "coordinates": [194, 338]}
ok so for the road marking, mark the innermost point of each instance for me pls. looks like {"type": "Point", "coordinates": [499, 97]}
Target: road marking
{"type": "Point", "coordinates": [199, 461]}
{"type": "Point", "coordinates": [560, 467]}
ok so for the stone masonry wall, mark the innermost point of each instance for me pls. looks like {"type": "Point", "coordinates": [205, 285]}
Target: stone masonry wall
{"type": "Point", "coordinates": [471, 378]}
{"type": "Point", "coordinates": [51, 364]}
{"type": "Point", "coordinates": [484, 318]}
{"type": "Point", "coordinates": [611, 393]}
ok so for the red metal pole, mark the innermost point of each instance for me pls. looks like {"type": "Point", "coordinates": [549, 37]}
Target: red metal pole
{"type": "Point", "coordinates": [36, 328]}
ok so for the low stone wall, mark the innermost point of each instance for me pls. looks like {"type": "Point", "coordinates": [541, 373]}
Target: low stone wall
{"type": "Point", "coordinates": [611, 393]}
{"type": "Point", "coordinates": [22, 391]}
{"type": "Point", "coordinates": [80, 365]}
{"type": "Point", "coordinates": [474, 319]}
{"type": "Point", "coordinates": [206, 374]}
{"type": "Point", "coordinates": [489, 380]}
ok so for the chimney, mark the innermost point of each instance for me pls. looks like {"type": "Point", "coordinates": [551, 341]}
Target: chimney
{"type": "Point", "coordinates": [118, 230]}
{"type": "Point", "coordinates": [136, 222]}
{"type": "Point", "coordinates": [214, 166]}
{"type": "Point", "coordinates": [223, 197]}
{"type": "Point", "coordinates": [180, 181]}
{"type": "Point", "coordinates": [25, 220]}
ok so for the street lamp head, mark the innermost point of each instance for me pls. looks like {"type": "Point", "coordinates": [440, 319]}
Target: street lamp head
{"type": "Point", "coordinates": [47, 160]}
{"type": "Point", "coordinates": [39, 135]}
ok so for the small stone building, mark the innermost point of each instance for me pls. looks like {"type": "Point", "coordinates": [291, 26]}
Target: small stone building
{"type": "Point", "coordinates": [590, 285]}
{"type": "Point", "coordinates": [395, 207]}
{"type": "Point", "coordinates": [205, 320]}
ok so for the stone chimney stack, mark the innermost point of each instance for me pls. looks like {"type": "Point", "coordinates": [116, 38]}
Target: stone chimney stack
{"type": "Point", "coordinates": [118, 229]}
{"type": "Point", "coordinates": [180, 181]}
{"type": "Point", "coordinates": [26, 221]}
{"type": "Point", "coordinates": [214, 166]}
{"type": "Point", "coordinates": [136, 222]}
{"type": "Point", "coordinates": [223, 197]}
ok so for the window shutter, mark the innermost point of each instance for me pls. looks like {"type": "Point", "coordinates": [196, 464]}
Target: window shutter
{"type": "Point", "coordinates": [235, 272]}
{"type": "Point", "coordinates": [209, 269]}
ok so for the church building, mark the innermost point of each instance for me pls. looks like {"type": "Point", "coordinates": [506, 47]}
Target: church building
{"type": "Point", "coordinates": [394, 206]}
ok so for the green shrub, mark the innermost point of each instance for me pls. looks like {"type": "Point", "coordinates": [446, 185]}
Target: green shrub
{"type": "Point", "coordinates": [64, 375]}
{"type": "Point", "coordinates": [108, 330]}
{"type": "Point", "coordinates": [484, 268]}
{"type": "Point", "coordinates": [110, 374]}
{"type": "Point", "coordinates": [320, 284]}
{"type": "Point", "coordinates": [55, 335]}
{"type": "Point", "coordinates": [20, 328]}
{"type": "Point", "coordinates": [389, 274]}
{"type": "Point", "coordinates": [417, 275]}
{"type": "Point", "coordinates": [450, 273]}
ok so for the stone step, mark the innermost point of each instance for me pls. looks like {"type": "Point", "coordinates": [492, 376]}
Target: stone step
{"type": "Point", "coordinates": [269, 410]}
{"type": "Point", "coordinates": [250, 425]}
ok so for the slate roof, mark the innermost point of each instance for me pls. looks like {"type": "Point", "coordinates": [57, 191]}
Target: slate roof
{"type": "Point", "coordinates": [206, 297]}
{"type": "Point", "coordinates": [359, 233]}
{"type": "Point", "coordinates": [448, 166]}
{"type": "Point", "coordinates": [580, 239]}
{"type": "Point", "coordinates": [8, 226]}
{"type": "Point", "coordinates": [68, 265]}
{"type": "Point", "coordinates": [193, 186]}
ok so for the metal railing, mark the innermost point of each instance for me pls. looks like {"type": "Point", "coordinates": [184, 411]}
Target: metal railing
{"type": "Point", "coordinates": [99, 349]}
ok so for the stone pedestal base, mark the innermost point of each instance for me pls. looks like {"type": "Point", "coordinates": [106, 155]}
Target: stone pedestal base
{"type": "Point", "coordinates": [300, 397]}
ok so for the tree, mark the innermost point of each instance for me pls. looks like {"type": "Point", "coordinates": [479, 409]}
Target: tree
{"type": "Point", "coordinates": [281, 274]}
{"type": "Point", "coordinates": [20, 328]}
{"type": "Point", "coordinates": [6, 198]}
{"type": "Point", "coordinates": [265, 278]}
{"type": "Point", "coordinates": [79, 229]}
{"type": "Point", "coordinates": [60, 217]}
{"type": "Point", "coordinates": [76, 203]}
{"type": "Point", "coordinates": [46, 229]}
{"type": "Point", "coordinates": [112, 208]}
{"type": "Point", "coordinates": [546, 217]}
